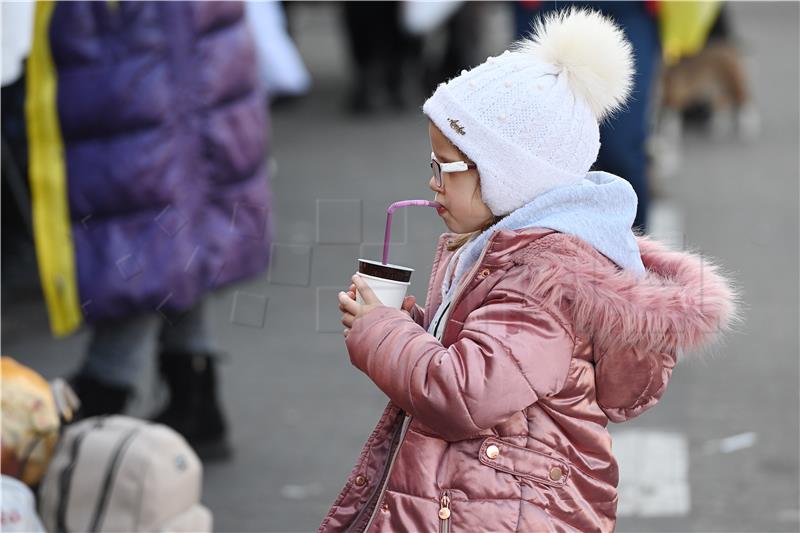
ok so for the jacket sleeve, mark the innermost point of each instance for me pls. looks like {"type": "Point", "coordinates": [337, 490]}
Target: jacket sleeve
{"type": "Point", "coordinates": [509, 353]}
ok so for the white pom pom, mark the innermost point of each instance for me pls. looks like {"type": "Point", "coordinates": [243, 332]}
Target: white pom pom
{"type": "Point", "coordinates": [592, 50]}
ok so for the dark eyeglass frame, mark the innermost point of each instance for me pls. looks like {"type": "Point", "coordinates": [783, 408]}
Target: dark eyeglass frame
{"type": "Point", "coordinates": [439, 169]}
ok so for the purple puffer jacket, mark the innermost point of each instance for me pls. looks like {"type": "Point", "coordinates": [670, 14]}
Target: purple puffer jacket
{"type": "Point", "coordinates": [165, 130]}
{"type": "Point", "coordinates": [502, 425]}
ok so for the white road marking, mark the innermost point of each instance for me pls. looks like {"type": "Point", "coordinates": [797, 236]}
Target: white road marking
{"type": "Point", "coordinates": [301, 492]}
{"type": "Point", "coordinates": [665, 223]}
{"type": "Point", "coordinates": [653, 473]}
{"type": "Point", "coordinates": [731, 444]}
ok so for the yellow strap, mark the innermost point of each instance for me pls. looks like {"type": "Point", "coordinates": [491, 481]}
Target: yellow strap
{"type": "Point", "coordinates": [47, 174]}
{"type": "Point", "coordinates": [684, 26]}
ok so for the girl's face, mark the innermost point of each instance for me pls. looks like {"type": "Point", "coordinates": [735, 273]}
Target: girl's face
{"type": "Point", "coordinates": [461, 191]}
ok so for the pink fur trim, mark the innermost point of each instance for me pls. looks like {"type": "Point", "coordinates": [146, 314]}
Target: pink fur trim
{"type": "Point", "coordinates": [683, 302]}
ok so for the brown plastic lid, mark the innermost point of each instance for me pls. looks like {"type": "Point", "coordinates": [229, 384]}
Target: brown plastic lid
{"type": "Point", "coordinates": [387, 271]}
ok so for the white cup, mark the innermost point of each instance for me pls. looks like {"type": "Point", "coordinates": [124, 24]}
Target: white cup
{"type": "Point", "coordinates": [391, 293]}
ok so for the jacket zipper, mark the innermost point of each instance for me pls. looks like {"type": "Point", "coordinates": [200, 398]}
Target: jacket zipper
{"type": "Point", "coordinates": [406, 423]}
{"type": "Point", "coordinates": [357, 519]}
{"type": "Point", "coordinates": [444, 512]}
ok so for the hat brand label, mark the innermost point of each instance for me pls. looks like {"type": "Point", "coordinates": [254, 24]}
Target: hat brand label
{"type": "Point", "coordinates": [457, 127]}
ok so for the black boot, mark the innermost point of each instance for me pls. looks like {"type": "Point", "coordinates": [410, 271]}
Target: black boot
{"type": "Point", "coordinates": [99, 398]}
{"type": "Point", "coordinates": [193, 409]}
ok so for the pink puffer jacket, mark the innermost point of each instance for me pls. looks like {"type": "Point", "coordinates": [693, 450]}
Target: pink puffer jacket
{"type": "Point", "coordinates": [502, 425]}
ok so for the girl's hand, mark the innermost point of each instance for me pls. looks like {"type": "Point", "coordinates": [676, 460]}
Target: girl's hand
{"type": "Point", "coordinates": [408, 304]}
{"type": "Point", "coordinates": [350, 308]}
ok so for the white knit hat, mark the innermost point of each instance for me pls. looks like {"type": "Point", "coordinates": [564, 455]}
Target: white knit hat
{"type": "Point", "coordinates": [528, 118]}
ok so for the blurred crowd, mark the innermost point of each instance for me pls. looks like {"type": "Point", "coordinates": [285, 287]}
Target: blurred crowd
{"type": "Point", "coordinates": [135, 181]}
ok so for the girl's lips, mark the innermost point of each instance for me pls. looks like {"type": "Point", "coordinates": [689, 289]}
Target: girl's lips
{"type": "Point", "coordinates": [441, 209]}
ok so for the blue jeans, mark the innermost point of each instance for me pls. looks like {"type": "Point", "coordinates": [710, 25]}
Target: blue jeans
{"type": "Point", "coordinates": [623, 138]}
{"type": "Point", "coordinates": [117, 350]}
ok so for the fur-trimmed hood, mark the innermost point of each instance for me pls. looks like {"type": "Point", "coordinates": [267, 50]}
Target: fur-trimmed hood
{"type": "Point", "coordinates": [638, 326]}
{"type": "Point", "coordinates": [681, 304]}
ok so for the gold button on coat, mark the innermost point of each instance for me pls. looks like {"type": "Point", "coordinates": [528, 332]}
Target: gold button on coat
{"type": "Point", "coordinates": [485, 272]}
{"type": "Point", "coordinates": [361, 481]}
{"type": "Point", "coordinates": [492, 451]}
{"type": "Point", "coordinates": [444, 513]}
{"type": "Point", "coordinates": [555, 473]}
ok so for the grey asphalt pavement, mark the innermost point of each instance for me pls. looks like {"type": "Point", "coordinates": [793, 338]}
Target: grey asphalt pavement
{"type": "Point", "coordinates": [300, 412]}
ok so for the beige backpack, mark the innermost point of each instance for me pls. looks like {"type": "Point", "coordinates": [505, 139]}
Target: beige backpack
{"type": "Point", "coordinates": [119, 473]}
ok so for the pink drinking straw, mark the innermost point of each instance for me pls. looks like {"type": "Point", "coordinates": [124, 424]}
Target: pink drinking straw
{"type": "Point", "coordinates": [388, 235]}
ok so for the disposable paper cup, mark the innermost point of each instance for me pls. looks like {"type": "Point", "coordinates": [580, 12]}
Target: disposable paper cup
{"type": "Point", "coordinates": [389, 282]}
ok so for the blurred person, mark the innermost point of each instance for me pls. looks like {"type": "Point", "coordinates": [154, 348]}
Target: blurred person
{"type": "Point", "coordinates": [147, 130]}
{"type": "Point", "coordinates": [623, 148]}
{"type": "Point", "coordinates": [381, 51]}
{"type": "Point", "coordinates": [18, 257]}
{"type": "Point", "coordinates": [706, 87]}
{"type": "Point", "coordinates": [282, 69]}
{"type": "Point", "coordinates": [714, 81]}
{"type": "Point", "coordinates": [450, 34]}
{"type": "Point", "coordinates": [461, 33]}
{"type": "Point", "coordinates": [546, 317]}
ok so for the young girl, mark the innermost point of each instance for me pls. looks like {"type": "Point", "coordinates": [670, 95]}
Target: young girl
{"type": "Point", "coordinates": [545, 316]}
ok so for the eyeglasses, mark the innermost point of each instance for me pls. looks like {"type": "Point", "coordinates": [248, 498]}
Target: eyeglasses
{"type": "Point", "coordinates": [440, 168]}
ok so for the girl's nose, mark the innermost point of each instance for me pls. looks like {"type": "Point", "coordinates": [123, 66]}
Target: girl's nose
{"type": "Point", "coordinates": [433, 186]}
